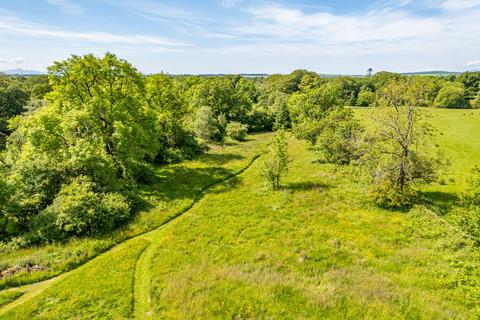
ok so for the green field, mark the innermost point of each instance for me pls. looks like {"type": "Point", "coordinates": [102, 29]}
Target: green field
{"type": "Point", "coordinates": [315, 249]}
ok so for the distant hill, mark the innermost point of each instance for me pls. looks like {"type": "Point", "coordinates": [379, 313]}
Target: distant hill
{"type": "Point", "coordinates": [22, 72]}
{"type": "Point", "coordinates": [431, 73]}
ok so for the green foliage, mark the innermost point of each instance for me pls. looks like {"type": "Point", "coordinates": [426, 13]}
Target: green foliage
{"type": "Point", "coordinates": [308, 108]}
{"type": "Point", "coordinates": [13, 100]}
{"type": "Point", "coordinates": [282, 117]}
{"type": "Point", "coordinates": [427, 89]}
{"type": "Point", "coordinates": [476, 102]}
{"type": "Point", "coordinates": [382, 78]}
{"type": "Point", "coordinates": [260, 119]}
{"type": "Point", "coordinates": [340, 137]}
{"type": "Point", "coordinates": [366, 98]}
{"type": "Point", "coordinates": [237, 131]}
{"type": "Point", "coordinates": [275, 164]}
{"type": "Point", "coordinates": [386, 193]}
{"type": "Point", "coordinates": [292, 82]}
{"type": "Point", "coordinates": [228, 97]}
{"type": "Point", "coordinates": [348, 89]}
{"type": "Point", "coordinates": [451, 96]}
{"type": "Point", "coordinates": [397, 157]}
{"type": "Point", "coordinates": [471, 82]}
{"type": "Point", "coordinates": [6, 224]}
{"type": "Point", "coordinates": [96, 125]}
{"type": "Point", "coordinates": [210, 127]}
{"type": "Point", "coordinates": [176, 141]}
{"type": "Point", "coordinates": [79, 209]}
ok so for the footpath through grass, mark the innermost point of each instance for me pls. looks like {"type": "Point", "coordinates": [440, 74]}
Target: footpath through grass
{"type": "Point", "coordinates": [111, 276]}
{"type": "Point", "coordinates": [174, 190]}
{"type": "Point", "coordinates": [314, 250]}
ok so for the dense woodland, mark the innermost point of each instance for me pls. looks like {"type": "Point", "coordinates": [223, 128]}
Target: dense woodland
{"type": "Point", "coordinates": [77, 143]}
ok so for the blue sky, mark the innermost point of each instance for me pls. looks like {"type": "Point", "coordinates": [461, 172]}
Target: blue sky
{"type": "Point", "coordinates": [245, 36]}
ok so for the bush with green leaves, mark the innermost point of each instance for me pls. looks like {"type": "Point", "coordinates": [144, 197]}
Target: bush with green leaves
{"type": "Point", "coordinates": [79, 209]}
{"type": "Point", "coordinates": [476, 102]}
{"type": "Point", "coordinates": [340, 138]}
{"type": "Point", "coordinates": [237, 131]}
{"type": "Point", "coordinates": [210, 127]}
{"type": "Point", "coordinates": [275, 163]}
{"type": "Point", "coordinates": [307, 109]}
{"type": "Point", "coordinates": [365, 98]}
{"type": "Point", "coordinates": [385, 193]}
{"type": "Point", "coordinates": [451, 96]}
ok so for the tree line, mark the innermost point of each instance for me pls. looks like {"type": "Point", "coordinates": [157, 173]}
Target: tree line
{"type": "Point", "coordinates": [76, 144]}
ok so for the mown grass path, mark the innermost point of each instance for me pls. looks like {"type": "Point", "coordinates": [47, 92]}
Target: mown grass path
{"type": "Point", "coordinates": [174, 188]}
{"type": "Point", "coordinates": [141, 276]}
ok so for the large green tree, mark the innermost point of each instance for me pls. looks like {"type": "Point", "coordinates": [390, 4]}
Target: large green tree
{"type": "Point", "coordinates": [397, 156]}
{"type": "Point", "coordinates": [96, 124]}
{"type": "Point", "coordinates": [308, 108]}
{"type": "Point", "coordinates": [471, 82]}
{"type": "Point", "coordinates": [451, 96]}
{"type": "Point", "coordinates": [13, 100]}
{"type": "Point", "coordinates": [166, 98]}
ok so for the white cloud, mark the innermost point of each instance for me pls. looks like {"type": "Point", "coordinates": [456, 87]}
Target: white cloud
{"type": "Point", "coordinates": [16, 60]}
{"type": "Point", "coordinates": [377, 30]}
{"type": "Point", "coordinates": [472, 63]}
{"type": "Point", "coordinates": [67, 6]}
{"type": "Point", "coordinates": [458, 5]}
{"type": "Point", "coordinates": [17, 27]}
{"type": "Point", "coordinates": [230, 3]}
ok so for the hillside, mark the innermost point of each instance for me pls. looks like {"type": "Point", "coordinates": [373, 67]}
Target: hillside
{"type": "Point", "coordinates": [315, 249]}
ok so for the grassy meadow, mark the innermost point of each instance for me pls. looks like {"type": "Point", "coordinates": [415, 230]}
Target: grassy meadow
{"type": "Point", "coordinates": [316, 249]}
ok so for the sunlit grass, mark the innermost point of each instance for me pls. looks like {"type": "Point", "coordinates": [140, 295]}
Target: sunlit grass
{"type": "Point", "coordinates": [174, 189]}
{"type": "Point", "coordinates": [316, 249]}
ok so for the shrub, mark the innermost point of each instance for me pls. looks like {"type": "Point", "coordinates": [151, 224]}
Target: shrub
{"type": "Point", "coordinates": [276, 161]}
{"type": "Point", "coordinates": [476, 102]}
{"type": "Point", "coordinates": [79, 209]}
{"type": "Point", "coordinates": [386, 193]}
{"type": "Point", "coordinates": [237, 130]}
{"type": "Point", "coordinates": [451, 96]}
{"type": "Point", "coordinates": [209, 127]}
{"type": "Point", "coordinates": [339, 140]}
{"type": "Point", "coordinates": [260, 119]}
{"type": "Point", "coordinates": [366, 98]}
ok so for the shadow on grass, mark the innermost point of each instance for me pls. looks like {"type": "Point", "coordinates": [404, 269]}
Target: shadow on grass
{"type": "Point", "coordinates": [306, 186]}
{"type": "Point", "coordinates": [179, 182]}
{"type": "Point", "coordinates": [440, 202]}
{"type": "Point", "coordinates": [219, 159]}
